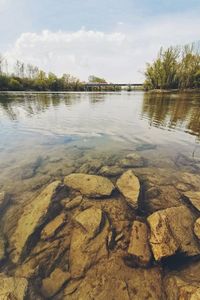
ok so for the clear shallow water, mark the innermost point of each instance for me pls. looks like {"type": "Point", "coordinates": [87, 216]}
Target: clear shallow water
{"type": "Point", "coordinates": [53, 133]}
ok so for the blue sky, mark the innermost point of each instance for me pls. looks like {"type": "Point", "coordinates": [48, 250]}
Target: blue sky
{"type": "Point", "coordinates": [116, 33]}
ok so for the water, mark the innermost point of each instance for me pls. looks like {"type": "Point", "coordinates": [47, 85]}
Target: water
{"type": "Point", "coordinates": [44, 137]}
{"type": "Point", "coordinates": [59, 131]}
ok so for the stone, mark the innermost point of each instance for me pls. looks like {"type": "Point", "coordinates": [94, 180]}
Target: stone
{"type": "Point", "coordinates": [129, 185]}
{"type": "Point", "coordinates": [91, 220]}
{"type": "Point", "coordinates": [75, 202]}
{"type": "Point", "coordinates": [197, 228]}
{"type": "Point", "coordinates": [89, 241]}
{"type": "Point", "coordinates": [51, 228]}
{"type": "Point", "coordinates": [13, 288]}
{"type": "Point", "coordinates": [35, 214]}
{"type": "Point", "coordinates": [53, 284]}
{"type": "Point", "coordinates": [139, 245]}
{"type": "Point", "coordinates": [110, 171]}
{"type": "Point", "coordinates": [172, 232]}
{"type": "Point", "coordinates": [194, 198]}
{"type": "Point", "coordinates": [2, 248]}
{"type": "Point", "coordinates": [132, 160]}
{"type": "Point", "coordinates": [89, 185]}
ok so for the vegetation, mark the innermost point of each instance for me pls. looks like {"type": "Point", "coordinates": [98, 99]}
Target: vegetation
{"type": "Point", "coordinates": [174, 68]}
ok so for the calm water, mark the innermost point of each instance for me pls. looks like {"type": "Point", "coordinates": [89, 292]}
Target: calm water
{"type": "Point", "coordinates": [46, 136]}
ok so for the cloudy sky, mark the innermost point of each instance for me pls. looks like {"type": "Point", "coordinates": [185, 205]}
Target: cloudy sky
{"type": "Point", "coordinates": [108, 38]}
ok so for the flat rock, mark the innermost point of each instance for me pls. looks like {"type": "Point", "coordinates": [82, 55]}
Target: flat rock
{"type": "Point", "coordinates": [132, 160]}
{"type": "Point", "coordinates": [35, 214]}
{"type": "Point", "coordinates": [129, 185]}
{"type": "Point", "coordinates": [197, 228]}
{"type": "Point", "coordinates": [110, 171]}
{"type": "Point", "coordinates": [89, 185]}
{"type": "Point", "coordinates": [194, 198]}
{"type": "Point", "coordinates": [139, 245]}
{"type": "Point", "coordinates": [52, 284]}
{"type": "Point", "coordinates": [88, 242]}
{"type": "Point", "coordinates": [13, 288]}
{"type": "Point", "coordinates": [172, 231]}
{"type": "Point", "coordinates": [51, 228]}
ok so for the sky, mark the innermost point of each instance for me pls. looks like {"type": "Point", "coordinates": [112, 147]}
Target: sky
{"type": "Point", "coordinates": [107, 38]}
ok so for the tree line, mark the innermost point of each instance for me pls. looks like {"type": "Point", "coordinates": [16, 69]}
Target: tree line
{"type": "Point", "coordinates": [27, 77]}
{"type": "Point", "coordinates": [174, 68]}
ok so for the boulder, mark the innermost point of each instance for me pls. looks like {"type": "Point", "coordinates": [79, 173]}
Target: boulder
{"type": "Point", "coordinates": [13, 288]}
{"type": "Point", "coordinates": [129, 185]}
{"type": "Point", "coordinates": [89, 241]}
{"type": "Point", "coordinates": [172, 231]}
{"type": "Point", "coordinates": [89, 185]}
{"type": "Point", "coordinates": [139, 245]}
{"type": "Point", "coordinates": [194, 198]}
{"type": "Point", "coordinates": [35, 215]}
{"type": "Point", "coordinates": [110, 171]}
{"type": "Point", "coordinates": [132, 160]}
{"type": "Point", "coordinates": [53, 284]}
{"type": "Point", "coordinates": [197, 228]}
{"type": "Point", "coordinates": [51, 228]}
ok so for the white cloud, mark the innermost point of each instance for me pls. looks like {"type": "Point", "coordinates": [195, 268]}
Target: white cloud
{"type": "Point", "coordinates": [117, 56]}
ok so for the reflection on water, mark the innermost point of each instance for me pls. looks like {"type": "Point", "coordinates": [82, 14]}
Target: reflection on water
{"type": "Point", "coordinates": [173, 111]}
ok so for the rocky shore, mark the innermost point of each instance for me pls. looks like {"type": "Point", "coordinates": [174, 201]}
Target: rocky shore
{"type": "Point", "coordinates": [123, 231]}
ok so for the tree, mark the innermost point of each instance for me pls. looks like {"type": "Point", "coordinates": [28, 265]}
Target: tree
{"type": "Point", "coordinates": [94, 79]}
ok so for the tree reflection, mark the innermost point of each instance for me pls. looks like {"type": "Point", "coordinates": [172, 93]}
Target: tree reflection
{"type": "Point", "coordinates": [172, 111]}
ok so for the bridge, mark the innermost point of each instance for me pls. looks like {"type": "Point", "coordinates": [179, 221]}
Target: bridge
{"type": "Point", "coordinates": [102, 84]}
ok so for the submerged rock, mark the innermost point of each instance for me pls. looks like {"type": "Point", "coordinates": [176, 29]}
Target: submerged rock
{"type": "Point", "coordinates": [197, 228]}
{"type": "Point", "coordinates": [89, 241]}
{"type": "Point", "coordinates": [72, 203]}
{"type": "Point", "coordinates": [111, 171]}
{"type": "Point", "coordinates": [89, 185]}
{"type": "Point", "coordinates": [132, 160]}
{"type": "Point", "coordinates": [13, 288]}
{"type": "Point", "coordinates": [172, 231]}
{"type": "Point", "coordinates": [35, 214]}
{"type": "Point", "coordinates": [194, 198]}
{"type": "Point", "coordinates": [139, 245]}
{"type": "Point", "coordinates": [129, 185]}
{"type": "Point", "coordinates": [50, 229]}
{"type": "Point", "coordinates": [52, 284]}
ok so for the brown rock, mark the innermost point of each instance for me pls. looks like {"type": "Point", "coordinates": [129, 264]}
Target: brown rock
{"type": "Point", "coordinates": [2, 247]}
{"type": "Point", "coordinates": [110, 171]}
{"type": "Point", "coordinates": [194, 198]}
{"type": "Point", "coordinates": [51, 228]}
{"type": "Point", "coordinates": [35, 214]}
{"type": "Point", "coordinates": [4, 199]}
{"type": "Point", "coordinates": [172, 231]}
{"type": "Point", "coordinates": [139, 245]}
{"type": "Point", "coordinates": [13, 288]}
{"type": "Point", "coordinates": [75, 202]}
{"type": "Point", "coordinates": [89, 241]}
{"type": "Point", "coordinates": [89, 185]}
{"type": "Point", "coordinates": [128, 184]}
{"type": "Point", "coordinates": [53, 284]}
{"type": "Point", "coordinates": [132, 160]}
{"type": "Point", "coordinates": [197, 228]}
